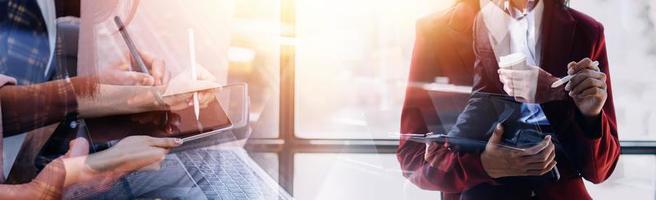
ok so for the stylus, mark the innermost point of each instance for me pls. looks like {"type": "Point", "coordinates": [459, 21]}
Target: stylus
{"type": "Point", "coordinates": [133, 49]}
{"type": "Point", "coordinates": [567, 78]}
{"type": "Point", "coordinates": [194, 76]}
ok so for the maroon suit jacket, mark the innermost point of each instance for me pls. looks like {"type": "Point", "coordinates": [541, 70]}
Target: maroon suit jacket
{"type": "Point", "coordinates": [444, 48]}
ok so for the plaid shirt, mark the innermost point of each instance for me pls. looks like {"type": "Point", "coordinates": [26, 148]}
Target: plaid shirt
{"type": "Point", "coordinates": [24, 47]}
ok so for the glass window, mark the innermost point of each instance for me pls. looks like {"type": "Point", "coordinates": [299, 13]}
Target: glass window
{"type": "Point", "coordinates": [353, 176]}
{"type": "Point", "coordinates": [254, 58]}
{"type": "Point", "coordinates": [630, 30]}
{"type": "Point", "coordinates": [352, 59]}
{"type": "Point", "coordinates": [634, 178]}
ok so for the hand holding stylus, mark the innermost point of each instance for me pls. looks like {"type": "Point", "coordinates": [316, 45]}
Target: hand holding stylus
{"type": "Point", "coordinates": [587, 87]}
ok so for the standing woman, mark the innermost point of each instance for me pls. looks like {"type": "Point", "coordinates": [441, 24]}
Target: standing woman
{"type": "Point", "coordinates": [583, 118]}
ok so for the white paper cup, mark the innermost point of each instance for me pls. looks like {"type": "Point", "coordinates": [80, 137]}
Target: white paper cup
{"type": "Point", "coordinates": [513, 61]}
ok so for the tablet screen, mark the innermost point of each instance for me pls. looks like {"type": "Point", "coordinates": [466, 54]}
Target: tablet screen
{"type": "Point", "coordinates": [178, 124]}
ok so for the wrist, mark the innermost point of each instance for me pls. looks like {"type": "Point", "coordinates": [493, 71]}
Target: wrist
{"type": "Point", "coordinates": [591, 125]}
{"type": "Point", "coordinates": [485, 160]}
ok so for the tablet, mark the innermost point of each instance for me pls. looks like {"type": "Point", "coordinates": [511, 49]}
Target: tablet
{"type": "Point", "coordinates": [178, 124]}
{"type": "Point", "coordinates": [455, 142]}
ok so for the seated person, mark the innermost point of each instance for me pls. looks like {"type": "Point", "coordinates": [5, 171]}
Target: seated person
{"type": "Point", "coordinates": [76, 167]}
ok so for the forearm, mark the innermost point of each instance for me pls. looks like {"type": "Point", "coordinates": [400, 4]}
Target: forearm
{"type": "Point", "coordinates": [23, 191]}
{"type": "Point", "coordinates": [449, 171]}
{"type": "Point", "coordinates": [25, 108]}
{"type": "Point", "coordinates": [598, 147]}
{"type": "Point", "coordinates": [47, 185]}
{"type": "Point", "coordinates": [117, 100]}
{"type": "Point", "coordinates": [452, 172]}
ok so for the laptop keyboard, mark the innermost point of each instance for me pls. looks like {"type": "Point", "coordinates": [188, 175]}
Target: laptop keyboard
{"type": "Point", "coordinates": [221, 174]}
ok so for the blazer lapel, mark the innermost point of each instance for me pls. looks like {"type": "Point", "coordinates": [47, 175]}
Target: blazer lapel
{"type": "Point", "coordinates": [557, 38]}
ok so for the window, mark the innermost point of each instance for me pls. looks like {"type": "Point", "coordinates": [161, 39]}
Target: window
{"type": "Point", "coordinates": [353, 176]}
{"type": "Point", "coordinates": [633, 178]}
{"type": "Point", "coordinates": [630, 29]}
{"type": "Point", "coordinates": [357, 92]}
{"type": "Point", "coordinates": [352, 60]}
{"type": "Point", "coordinates": [254, 57]}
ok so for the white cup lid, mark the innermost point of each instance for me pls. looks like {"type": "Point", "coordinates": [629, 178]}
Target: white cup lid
{"type": "Point", "coordinates": [511, 60]}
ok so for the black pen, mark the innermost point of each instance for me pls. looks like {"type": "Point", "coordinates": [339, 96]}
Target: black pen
{"type": "Point", "coordinates": [133, 49]}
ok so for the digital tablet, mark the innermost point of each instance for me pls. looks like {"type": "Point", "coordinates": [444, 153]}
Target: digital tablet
{"type": "Point", "coordinates": [177, 124]}
{"type": "Point", "coordinates": [458, 143]}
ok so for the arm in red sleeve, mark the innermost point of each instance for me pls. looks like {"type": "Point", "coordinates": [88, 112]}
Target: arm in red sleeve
{"type": "Point", "coordinates": [455, 172]}
{"type": "Point", "coordinates": [447, 171]}
{"type": "Point", "coordinates": [598, 144]}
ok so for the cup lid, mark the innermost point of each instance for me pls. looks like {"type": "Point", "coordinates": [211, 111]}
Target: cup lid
{"type": "Point", "coordinates": [512, 59]}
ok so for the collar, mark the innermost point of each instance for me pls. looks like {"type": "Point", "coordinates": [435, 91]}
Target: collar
{"type": "Point", "coordinates": [497, 20]}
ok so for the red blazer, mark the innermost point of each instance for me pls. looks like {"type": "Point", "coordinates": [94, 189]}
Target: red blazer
{"type": "Point", "coordinates": [444, 48]}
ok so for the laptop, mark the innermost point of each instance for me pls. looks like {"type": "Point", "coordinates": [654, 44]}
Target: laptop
{"type": "Point", "coordinates": [207, 167]}
{"type": "Point", "coordinates": [229, 173]}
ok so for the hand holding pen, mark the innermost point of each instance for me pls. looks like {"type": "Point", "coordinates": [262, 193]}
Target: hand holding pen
{"type": "Point", "coordinates": [587, 86]}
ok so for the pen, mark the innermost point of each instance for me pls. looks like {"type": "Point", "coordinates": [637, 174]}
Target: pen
{"type": "Point", "coordinates": [194, 76]}
{"type": "Point", "coordinates": [133, 49]}
{"type": "Point", "coordinates": [567, 78]}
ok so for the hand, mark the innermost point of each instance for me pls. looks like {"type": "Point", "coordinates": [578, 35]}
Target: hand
{"type": "Point", "coordinates": [121, 73]}
{"type": "Point", "coordinates": [530, 85]}
{"type": "Point", "coordinates": [499, 161]}
{"type": "Point", "coordinates": [588, 87]}
{"type": "Point", "coordinates": [98, 172]}
{"type": "Point", "coordinates": [153, 100]}
{"type": "Point", "coordinates": [132, 153]}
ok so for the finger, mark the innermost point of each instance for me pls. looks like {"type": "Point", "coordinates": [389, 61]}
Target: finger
{"type": "Point", "coordinates": [78, 147]}
{"type": "Point", "coordinates": [571, 68]}
{"type": "Point", "coordinates": [538, 147]}
{"type": "Point", "coordinates": [206, 98]}
{"type": "Point", "coordinates": [497, 135]}
{"type": "Point", "coordinates": [178, 102]}
{"type": "Point", "coordinates": [166, 142]}
{"type": "Point", "coordinates": [147, 57]}
{"type": "Point", "coordinates": [586, 84]}
{"type": "Point", "coordinates": [158, 71]}
{"type": "Point", "coordinates": [585, 63]}
{"type": "Point", "coordinates": [540, 172]}
{"type": "Point", "coordinates": [545, 156]}
{"type": "Point", "coordinates": [581, 76]}
{"type": "Point", "coordinates": [152, 167]}
{"type": "Point", "coordinates": [590, 92]}
{"type": "Point", "coordinates": [503, 79]}
{"type": "Point", "coordinates": [508, 89]}
{"type": "Point", "coordinates": [595, 66]}
{"type": "Point", "coordinates": [134, 78]}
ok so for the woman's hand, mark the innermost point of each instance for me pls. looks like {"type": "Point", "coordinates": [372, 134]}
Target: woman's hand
{"type": "Point", "coordinates": [121, 73]}
{"type": "Point", "coordinates": [588, 87]}
{"type": "Point", "coordinates": [499, 161]}
{"type": "Point", "coordinates": [132, 153]}
{"type": "Point", "coordinates": [530, 85]}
